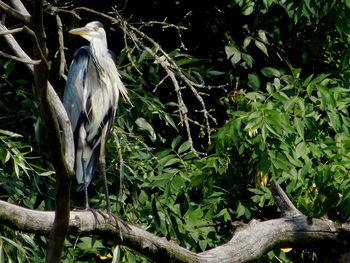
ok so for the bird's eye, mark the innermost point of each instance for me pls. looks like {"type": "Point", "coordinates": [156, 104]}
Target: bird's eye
{"type": "Point", "coordinates": [96, 28]}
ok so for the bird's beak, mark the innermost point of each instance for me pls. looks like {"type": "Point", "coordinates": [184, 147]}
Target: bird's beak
{"type": "Point", "coordinates": [80, 31]}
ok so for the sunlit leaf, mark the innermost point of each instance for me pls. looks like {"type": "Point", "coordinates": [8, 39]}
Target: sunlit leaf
{"type": "Point", "coordinates": [260, 45]}
{"type": "Point", "coordinates": [233, 54]}
{"type": "Point", "coordinates": [270, 72]}
{"type": "Point", "coordinates": [184, 147]}
{"type": "Point", "coordinates": [144, 125]}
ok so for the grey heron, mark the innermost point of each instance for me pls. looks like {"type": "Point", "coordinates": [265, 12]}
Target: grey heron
{"type": "Point", "coordinates": [90, 97]}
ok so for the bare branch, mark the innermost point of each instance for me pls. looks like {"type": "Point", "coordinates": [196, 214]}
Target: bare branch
{"type": "Point", "coordinates": [12, 31]}
{"type": "Point", "coordinates": [63, 63]}
{"type": "Point", "coordinates": [22, 60]}
{"type": "Point", "coordinates": [18, 5]}
{"type": "Point", "coordinates": [182, 106]}
{"type": "Point", "coordinates": [37, 44]}
{"type": "Point", "coordinates": [14, 13]}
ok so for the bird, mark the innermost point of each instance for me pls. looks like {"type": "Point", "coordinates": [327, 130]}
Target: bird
{"type": "Point", "coordinates": [91, 95]}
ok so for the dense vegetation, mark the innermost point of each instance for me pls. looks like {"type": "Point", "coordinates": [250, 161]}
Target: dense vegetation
{"type": "Point", "coordinates": [273, 77]}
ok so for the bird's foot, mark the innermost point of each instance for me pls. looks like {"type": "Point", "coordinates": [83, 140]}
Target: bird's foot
{"type": "Point", "coordinates": [94, 211]}
{"type": "Point", "coordinates": [119, 224]}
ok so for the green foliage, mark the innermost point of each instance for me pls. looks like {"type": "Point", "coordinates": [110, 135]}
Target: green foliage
{"type": "Point", "coordinates": [22, 172]}
{"type": "Point", "coordinates": [298, 133]}
{"type": "Point", "coordinates": [168, 193]}
{"type": "Point", "coordinates": [19, 247]}
{"type": "Point", "coordinates": [19, 183]}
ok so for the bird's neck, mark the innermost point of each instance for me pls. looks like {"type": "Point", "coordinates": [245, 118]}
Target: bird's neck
{"type": "Point", "coordinates": [99, 51]}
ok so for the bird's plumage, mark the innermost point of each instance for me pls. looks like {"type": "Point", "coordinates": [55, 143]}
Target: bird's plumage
{"type": "Point", "coordinates": [90, 98]}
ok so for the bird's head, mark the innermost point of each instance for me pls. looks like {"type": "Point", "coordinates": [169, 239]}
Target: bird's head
{"type": "Point", "coordinates": [90, 31]}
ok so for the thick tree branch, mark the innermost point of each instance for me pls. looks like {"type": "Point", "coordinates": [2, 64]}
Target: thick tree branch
{"type": "Point", "coordinates": [63, 177]}
{"type": "Point", "coordinates": [248, 243]}
{"type": "Point", "coordinates": [18, 5]}
{"type": "Point", "coordinates": [283, 202]}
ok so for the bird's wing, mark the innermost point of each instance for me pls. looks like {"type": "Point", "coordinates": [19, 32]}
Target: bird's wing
{"type": "Point", "coordinates": [75, 103]}
{"type": "Point", "coordinates": [73, 93]}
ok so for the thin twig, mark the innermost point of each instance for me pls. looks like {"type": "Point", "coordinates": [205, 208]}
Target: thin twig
{"type": "Point", "coordinates": [172, 64]}
{"type": "Point", "coordinates": [22, 60]}
{"type": "Point", "coordinates": [62, 8]}
{"type": "Point", "coordinates": [61, 47]}
{"type": "Point", "coordinates": [164, 24]}
{"type": "Point", "coordinates": [35, 40]}
{"type": "Point", "coordinates": [11, 31]}
{"type": "Point", "coordinates": [128, 52]}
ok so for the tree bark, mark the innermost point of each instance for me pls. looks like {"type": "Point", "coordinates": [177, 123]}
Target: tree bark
{"type": "Point", "coordinates": [248, 243]}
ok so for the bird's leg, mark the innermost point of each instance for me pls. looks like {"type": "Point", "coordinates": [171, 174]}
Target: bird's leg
{"type": "Point", "coordinates": [87, 206]}
{"type": "Point", "coordinates": [102, 165]}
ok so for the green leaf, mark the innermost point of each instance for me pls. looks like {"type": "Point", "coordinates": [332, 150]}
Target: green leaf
{"type": "Point", "coordinates": [334, 120]}
{"type": "Point", "coordinates": [299, 124]}
{"type": "Point", "coordinates": [262, 36]}
{"type": "Point", "coordinates": [260, 45]}
{"type": "Point", "coordinates": [177, 183]}
{"type": "Point", "coordinates": [233, 54]}
{"type": "Point", "coordinates": [203, 244]}
{"type": "Point", "coordinates": [224, 214]}
{"type": "Point", "coordinates": [328, 101]}
{"type": "Point", "coordinates": [248, 60]}
{"type": "Point", "coordinates": [175, 142]}
{"type": "Point", "coordinates": [185, 61]}
{"type": "Point", "coordinates": [170, 121]}
{"type": "Point", "coordinates": [254, 81]}
{"type": "Point", "coordinates": [248, 8]}
{"type": "Point", "coordinates": [171, 162]}
{"type": "Point", "coordinates": [165, 158]}
{"type": "Point", "coordinates": [240, 210]}
{"type": "Point", "coordinates": [144, 125]}
{"type": "Point", "coordinates": [271, 72]}
{"type": "Point", "coordinates": [184, 147]}
{"type": "Point", "coordinates": [10, 134]}
{"type": "Point", "coordinates": [301, 150]}
{"type": "Point", "coordinates": [196, 180]}
{"type": "Point", "coordinates": [215, 73]}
